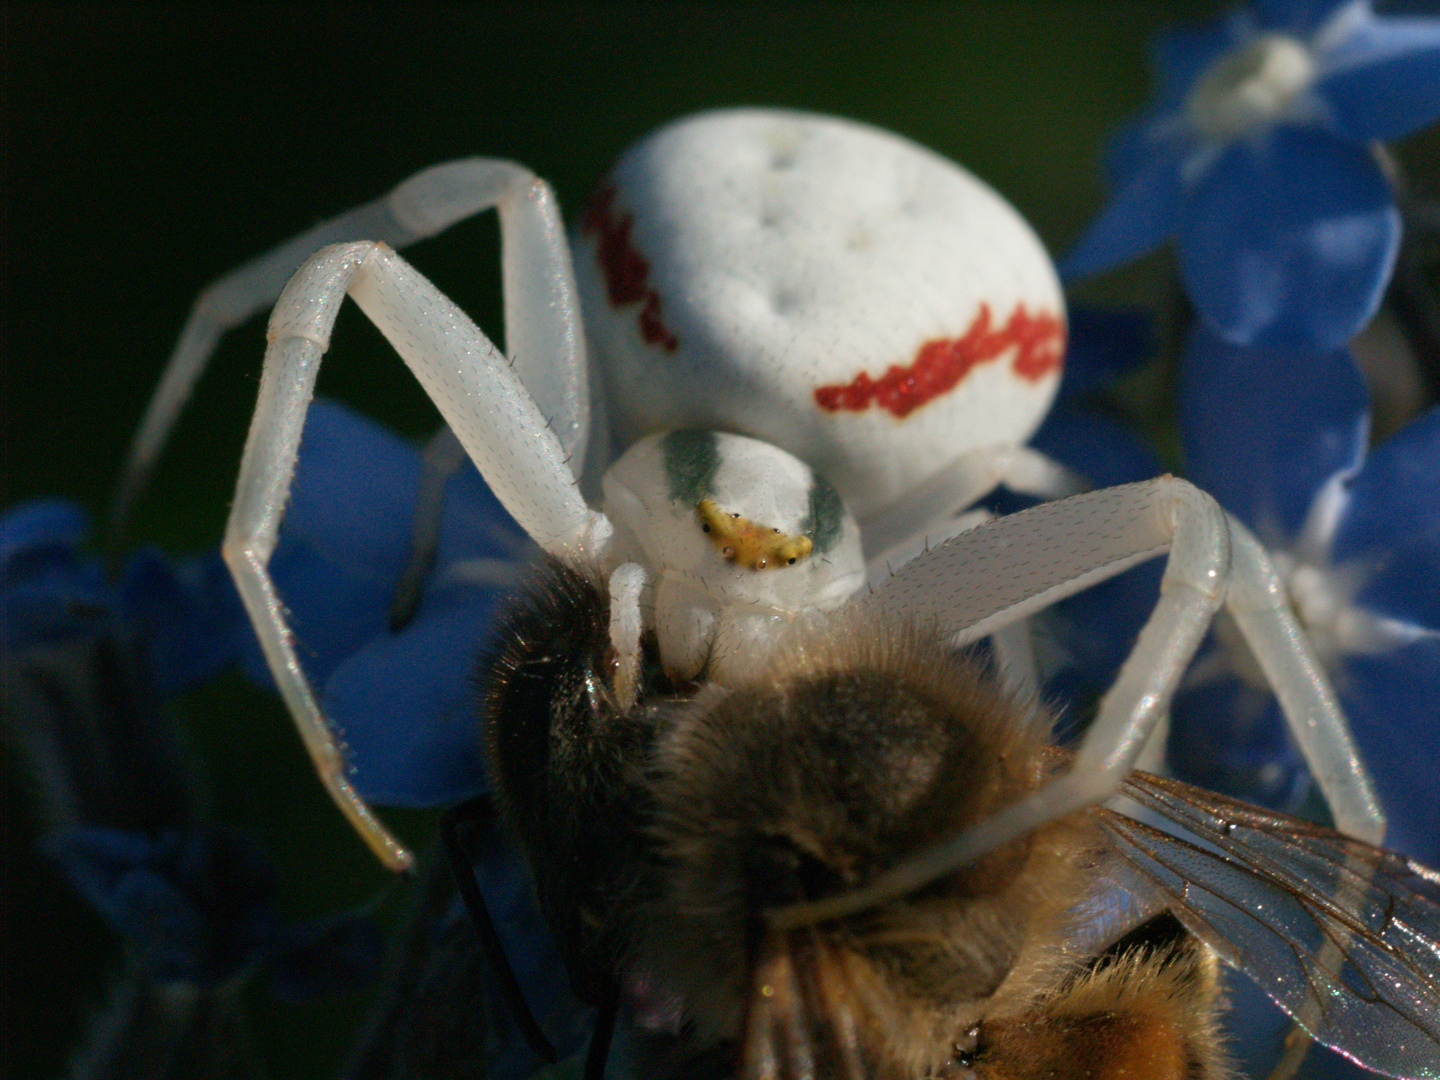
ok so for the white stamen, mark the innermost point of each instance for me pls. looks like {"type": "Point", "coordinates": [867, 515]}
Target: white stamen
{"type": "Point", "coordinates": [1254, 87]}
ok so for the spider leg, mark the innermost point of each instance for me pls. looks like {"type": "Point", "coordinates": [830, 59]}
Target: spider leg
{"type": "Point", "coordinates": [958, 485]}
{"type": "Point", "coordinates": [627, 582]}
{"type": "Point", "coordinates": [1017, 565]}
{"type": "Point", "coordinates": [1258, 605]}
{"type": "Point", "coordinates": [479, 395]}
{"type": "Point", "coordinates": [541, 311]}
{"type": "Point", "coordinates": [1014, 649]}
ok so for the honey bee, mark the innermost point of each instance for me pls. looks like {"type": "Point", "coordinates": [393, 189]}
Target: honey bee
{"type": "Point", "coordinates": [684, 847]}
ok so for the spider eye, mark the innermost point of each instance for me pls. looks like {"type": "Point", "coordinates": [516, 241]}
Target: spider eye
{"type": "Point", "coordinates": [751, 544]}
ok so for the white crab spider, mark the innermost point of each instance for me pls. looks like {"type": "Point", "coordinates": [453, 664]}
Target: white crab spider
{"type": "Point", "coordinates": [832, 289]}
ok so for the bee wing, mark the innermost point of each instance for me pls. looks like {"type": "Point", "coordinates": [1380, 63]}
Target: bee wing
{"type": "Point", "coordinates": [1344, 936]}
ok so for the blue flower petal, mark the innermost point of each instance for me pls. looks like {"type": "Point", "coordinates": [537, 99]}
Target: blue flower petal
{"type": "Point", "coordinates": [56, 608]}
{"type": "Point", "coordinates": [122, 875]}
{"type": "Point", "coordinates": [96, 858]}
{"type": "Point", "coordinates": [1104, 451]}
{"type": "Point", "coordinates": [48, 593]}
{"type": "Point", "coordinates": [331, 612]}
{"type": "Point", "coordinates": [196, 907]}
{"type": "Point", "coordinates": [1160, 131]}
{"type": "Point", "coordinates": [1290, 241]}
{"type": "Point", "coordinates": [44, 528]}
{"type": "Point", "coordinates": [406, 709]}
{"type": "Point", "coordinates": [474, 525]}
{"type": "Point", "coordinates": [1390, 701]}
{"type": "Point", "coordinates": [1263, 430]}
{"type": "Point", "coordinates": [334, 952]}
{"type": "Point", "coordinates": [186, 610]}
{"type": "Point", "coordinates": [1143, 213]}
{"type": "Point", "coordinates": [1178, 55]}
{"type": "Point", "coordinates": [1395, 499]}
{"type": "Point", "coordinates": [1405, 585]}
{"type": "Point", "coordinates": [1230, 737]}
{"type": "Point", "coordinates": [195, 625]}
{"type": "Point", "coordinates": [354, 494]}
{"type": "Point", "coordinates": [1104, 344]}
{"type": "Point", "coordinates": [1298, 17]}
{"type": "Point", "coordinates": [1384, 80]}
{"type": "Point", "coordinates": [345, 538]}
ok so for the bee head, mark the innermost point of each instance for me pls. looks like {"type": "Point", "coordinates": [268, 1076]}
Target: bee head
{"type": "Point", "coordinates": [833, 765]}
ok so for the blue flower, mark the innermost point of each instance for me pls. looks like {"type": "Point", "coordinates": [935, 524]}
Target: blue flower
{"type": "Point", "coordinates": [86, 659]}
{"type": "Point", "coordinates": [402, 699]}
{"type": "Point", "coordinates": [87, 662]}
{"type": "Point", "coordinates": [52, 593]}
{"type": "Point", "coordinates": [198, 908]}
{"type": "Point", "coordinates": [1257, 157]}
{"type": "Point", "coordinates": [1280, 439]}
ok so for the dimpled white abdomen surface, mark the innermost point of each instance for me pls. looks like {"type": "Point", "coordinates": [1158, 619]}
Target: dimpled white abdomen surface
{"type": "Point", "coordinates": [822, 285]}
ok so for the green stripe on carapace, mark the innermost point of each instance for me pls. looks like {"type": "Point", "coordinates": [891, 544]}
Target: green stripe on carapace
{"type": "Point", "coordinates": [827, 512]}
{"type": "Point", "coordinates": [692, 458]}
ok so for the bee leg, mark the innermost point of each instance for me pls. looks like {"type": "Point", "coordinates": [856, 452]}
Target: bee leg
{"type": "Point", "coordinates": [1297, 1048]}
{"type": "Point", "coordinates": [599, 1051]}
{"type": "Point", "coordinates": [480, 810]}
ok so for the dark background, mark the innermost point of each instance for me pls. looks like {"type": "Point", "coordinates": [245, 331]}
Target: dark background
{"type": "Point", "coordinates": [150, 149]}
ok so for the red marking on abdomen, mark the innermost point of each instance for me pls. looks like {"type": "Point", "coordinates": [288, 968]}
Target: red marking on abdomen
{"type": "Point", "coordinates": [941, 365]}
{"type": "Point", "coordinates": [627, 272]}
